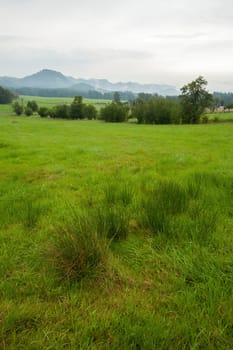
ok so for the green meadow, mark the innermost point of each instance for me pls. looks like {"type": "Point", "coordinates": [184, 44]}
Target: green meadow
{"type": "Point", "coordinates": [53, 101]}
{"type": "Point", "coordinates": [221, 116]}
{"type": "Point", "coordinates": [115, 236]}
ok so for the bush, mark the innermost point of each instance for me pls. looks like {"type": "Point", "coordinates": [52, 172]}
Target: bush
{"type": "Point", "coordinates": [204, 119]}
{"type": "Point", "coordinates": [76, 108]}
{"type": "Point", "coordinates": [33, 106]}
{"type": "Point", "coordinates": [76, 251]}
{"type": "Point", "coordinates": [156, 111]}
{"type": "Point", "coordinates": [28, 111]}
{"type": "Point", "coordinates": [89, 112]}
{"type": "Point", "coordinates": [43, 112]}
{"type": "Point", "coordinates": [114, 112]}
{"type": "Point", "coordinates": [60, 111]}
{"type": "Point", "coordinates": [18, 108]}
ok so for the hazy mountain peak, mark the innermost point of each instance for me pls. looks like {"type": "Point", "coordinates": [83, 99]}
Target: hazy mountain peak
{"type": "Point", "coordinates": [51, 79]}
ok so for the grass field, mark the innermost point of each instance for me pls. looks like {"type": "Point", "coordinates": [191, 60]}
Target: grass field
{"type": "Point", "coordinates": [53, 101]}
{"type": "Point", "coordinates": [115, 236]}
{"type": "Point", "coordinates": [221, 116]}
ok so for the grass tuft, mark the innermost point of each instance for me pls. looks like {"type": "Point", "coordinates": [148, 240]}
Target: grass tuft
{"type": "Point", "coordinates": [160, 203]}
{"type": "Point", "coordinates": [76, 250]}
{"type": "Point", "coordinates": [112, 222]}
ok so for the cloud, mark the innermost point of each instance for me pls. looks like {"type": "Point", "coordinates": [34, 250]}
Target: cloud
{"type": "Point", "coordinates": [178, 36]}
{"type": "Point", "coordinates": [151, 41]}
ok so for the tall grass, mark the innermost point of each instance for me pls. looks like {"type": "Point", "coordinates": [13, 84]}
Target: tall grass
{"type": "Point", "coordinates": [161, 202]}
{"type": "Point", "coordinates": [20, 204]}
{"type": "Point", "coordinates": [162, 196]}
{"type": "Point", "coordinates": [113, 215]}
{"type": "Point", "coordinates": [112, 222]}
{"type": "Point", "coordinates": [190, 211]}
{"type": "Point", "coordinates": [76, 251]}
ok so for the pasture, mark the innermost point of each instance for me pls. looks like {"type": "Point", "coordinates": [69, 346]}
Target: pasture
{"type": "Point", "coordinates": [221, 116]}
{"type": "Point", "coordinates": [151, 208]}
{"type": "Point", "coordinates": [53, 101]}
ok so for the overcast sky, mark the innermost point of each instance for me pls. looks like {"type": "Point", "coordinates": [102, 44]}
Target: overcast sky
{"type": "Point", "coordinates": [150, 41]}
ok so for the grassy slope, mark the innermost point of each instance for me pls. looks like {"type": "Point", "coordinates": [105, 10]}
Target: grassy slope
{"type": "Point", "coordinates": [156, 292]}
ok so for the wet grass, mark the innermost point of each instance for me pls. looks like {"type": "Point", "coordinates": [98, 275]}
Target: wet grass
{"type": "Point", "coordinates": [115, 236]}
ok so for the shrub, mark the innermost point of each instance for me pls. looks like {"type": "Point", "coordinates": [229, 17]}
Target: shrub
{"type": "Point", "coordinates": [33, 106]}
{"type": "Point", "coordinates": [114, 112]}
{"type": "Point", "coordinates": [76, 108]}
{"type": "Point", "coordinates": [18, 108]}
{"type": "Point", "coordinates": [61, 111]}
{"type": "Point", "coordinates": [43, 112]}
{"type": "Point", "coordinates": [89, 112]}
{"type": "Point", "coordinates": [204, 119]}
{"type": "Point", "coordinates": [156, 111]}
{"type": "Point", "coordinates": [28, 111]}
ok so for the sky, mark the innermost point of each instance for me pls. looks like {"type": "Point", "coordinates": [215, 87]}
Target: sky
{"type": "Point", "coordinates": [150, 41]}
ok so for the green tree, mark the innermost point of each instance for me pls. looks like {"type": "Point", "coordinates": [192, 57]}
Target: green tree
{"type": "Point", "coordinates": [89, 112]}
{"type": "Point", "coordinates": [76, 108]}
{"type": "Point", "coordinates": [116, 97]}
{"type": "Point", "coordinates": [28, 111]}
{"type": "Point", "coordinates": [43, 112]}
{"type": "Point", "coordinates": [156, 111]}
{"type": "Point", "coordinates": [33, 106]}
{"type": "Point", "coordinates": [61, 111]}
{"type": "Point", "coordinates": [194, 99]}
{"type": "Point", "coordinates": [114, 112]}
{"type": "Point", "coordinates": [18, 108]}
{"type": "Point", "coordinates": [138, 110]}
{"type": "Point", "coordinates": [6, 96]}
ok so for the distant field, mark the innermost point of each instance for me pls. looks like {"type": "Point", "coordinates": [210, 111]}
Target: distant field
{"type": "Point", "coordinates": [223, 116]}
{"type": "Point", "coordinates": [115, 236]}
{"type": "Point", "coordinates": [52, 101]}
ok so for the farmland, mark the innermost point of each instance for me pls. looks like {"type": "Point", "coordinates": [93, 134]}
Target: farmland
{"type": "Point", "coordinates": [156, 205]}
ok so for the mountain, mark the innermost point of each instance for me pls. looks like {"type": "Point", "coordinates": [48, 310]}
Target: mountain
{"type": "Point", "coordinates": [50, 79]}
{"type": "Point", "coordinates": [105, 85]}
{"type": "Point", "coordinates": [47, 79]}
{"type": "Point", "coordinates": [82, 87]}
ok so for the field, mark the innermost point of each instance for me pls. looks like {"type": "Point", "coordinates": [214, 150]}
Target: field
{"type": "Point", "coordinates": [221, 116]}
{"type": "Point", "coordinates": [53, 101]}
{"type": "Point", "coordinates": [115, 236]}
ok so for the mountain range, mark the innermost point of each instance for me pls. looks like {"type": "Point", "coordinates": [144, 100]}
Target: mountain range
{"type": "Point", "coordinates": [50, 79]}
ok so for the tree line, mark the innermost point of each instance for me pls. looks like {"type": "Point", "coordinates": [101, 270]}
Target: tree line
{"type": "Point", "coordinates": [145, 109]}
{"type": "Point", "coordinates": [66, 92]}
{"type": "Point", "coordinates": [187, 108]}
{"type": "Point", "coordinates": [6, 96]}
{"type": "Point", "coordinates": [76, 110]}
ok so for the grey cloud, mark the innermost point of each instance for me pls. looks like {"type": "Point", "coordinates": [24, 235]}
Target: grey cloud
{"type": "Point", "coordinates": [179, 36]}
{"type": "Point", "coordinates": [151, 41]}
{"type": "Point", "coordinates": [4, 38]}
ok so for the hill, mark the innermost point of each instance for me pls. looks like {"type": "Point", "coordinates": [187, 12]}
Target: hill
{"type": "Point", "coordinates": [50, 79]}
